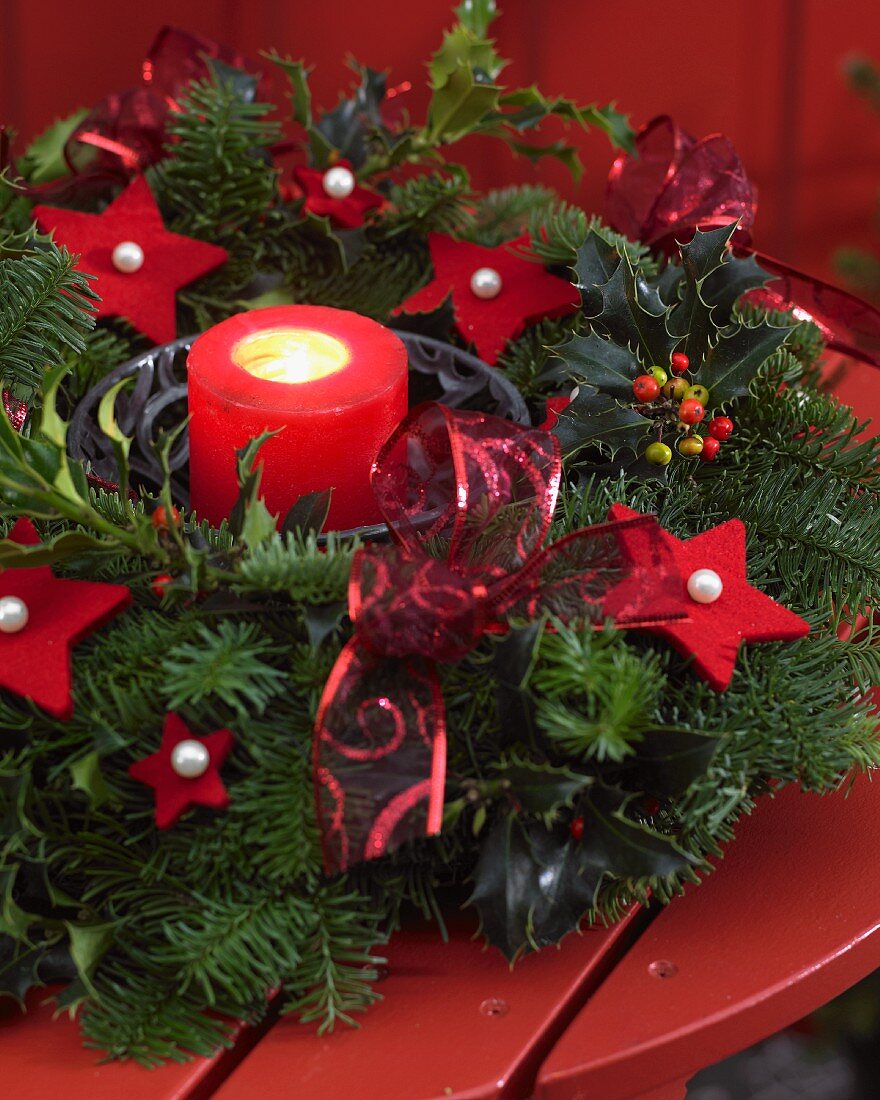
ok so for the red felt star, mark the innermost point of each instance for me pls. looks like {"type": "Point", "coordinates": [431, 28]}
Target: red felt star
{"type": "Point", "coordinates": [35, 662]}
{"type": "Point", "coordinates": [176, 793]}
{"type": "Point", "coordinates": [146, 296]}
{"type": "Point", "coordinates": [712, 632]}
{"type": "Point", "coordinates": [347, 213]}
{"type": "Point", "coordinates": [528, 292]}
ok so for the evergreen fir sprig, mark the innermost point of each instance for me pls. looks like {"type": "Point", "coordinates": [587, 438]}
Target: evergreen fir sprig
{"type": "Point", "coordinates": [45, 313]}
{"type": "Point", "coordinates": [220, 179]}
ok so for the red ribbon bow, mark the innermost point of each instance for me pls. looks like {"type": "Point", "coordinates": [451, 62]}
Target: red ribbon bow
{"type": "Point", "coordinates": [469, 499]}
{"type": "Point", "coordinates": [126, 131]}
{"type": "Point", "coordinates": [677, 184]}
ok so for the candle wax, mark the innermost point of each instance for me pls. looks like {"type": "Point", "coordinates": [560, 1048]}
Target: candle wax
{"type": "Point", "coordinates": [334, 382]}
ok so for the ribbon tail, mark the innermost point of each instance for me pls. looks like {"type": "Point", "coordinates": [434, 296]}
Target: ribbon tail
{"type": "Point", "coordinates": [379, 756]}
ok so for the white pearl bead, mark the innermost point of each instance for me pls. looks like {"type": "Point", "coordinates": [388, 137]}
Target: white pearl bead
{"type": "Point", "coordinates": [190, 758]}
{"type": "Point", "coordinates": [704, 586]}
{"type": "Point", "coordinates": [486, 282]}
{"type": "Point", "coordinates": [339, 182]}
{"type": "Point", "coordinates": [128, 257]}
{"type": "Point", "coordinates": [13, 615]}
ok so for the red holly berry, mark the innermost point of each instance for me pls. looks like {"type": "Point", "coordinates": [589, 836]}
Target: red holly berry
{"type": "Point", "coordinates": [646, 388]}
{"type": "Point", "coordinates": [711, 447]}
{"type": "Point", "coordinates": [679, 362]}
{"type": "Point", "coordinates": [160, 583]}
{"type": "Point", "coordinates": [721, 427]}
{"type": "Point", "coordinates": [690, 411]}
{"type": "Point", "coordinates": [159, 517]}
{"type": "Point", "coordinates": [577, 828]}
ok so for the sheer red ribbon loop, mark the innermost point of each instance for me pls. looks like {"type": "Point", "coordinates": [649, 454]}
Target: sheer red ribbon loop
{"type": "Point", "coordinates": [677, 184]}
{"type": "Point", "coordinates": [126, 132]}
{"type": "Point", "coordinates": [469, 499]}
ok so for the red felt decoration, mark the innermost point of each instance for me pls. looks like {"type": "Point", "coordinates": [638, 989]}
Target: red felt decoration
{"type": "Point", "coordinates": [35, 662]}
{"type": "Point", "coordinates": [176, 793]}
{"type": "Point", "coordinates": [528, 292]}
{"type": "Point", "coordinates": [146, 297]}
{"type": "Point", "coordinates": [346, 213]}
{"type": "Point", "coordinates": [555, 406]}
{"type": "Point", "coordinates": [712, 632]}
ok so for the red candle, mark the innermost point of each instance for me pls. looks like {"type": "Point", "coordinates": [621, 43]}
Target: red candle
{"type": "Point", "coordinates": [334, 382]}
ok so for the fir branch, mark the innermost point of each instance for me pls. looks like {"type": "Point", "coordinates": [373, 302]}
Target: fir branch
{"type": "Point", "coordinates": [220, 179]}
{"type": "Point", "coordinates": [45, 306]}
{"type": "Point", "coordinates": [228, 663]}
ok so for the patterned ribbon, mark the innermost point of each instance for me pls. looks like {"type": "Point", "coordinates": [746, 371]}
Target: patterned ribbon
{"type": "Point", "coordinates": [677, 184]}
{"type": "Point", "coordinates": [126, 131]}
{"type": "Point", "coordinates": [469, 499]}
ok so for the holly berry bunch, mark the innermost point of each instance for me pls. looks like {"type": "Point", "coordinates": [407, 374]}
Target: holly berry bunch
{"type": "Point", "coordinates": [677, 402]}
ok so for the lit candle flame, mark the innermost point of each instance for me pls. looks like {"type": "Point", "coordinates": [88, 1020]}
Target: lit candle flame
{"type": "Point", "coordinates": [290, 355]}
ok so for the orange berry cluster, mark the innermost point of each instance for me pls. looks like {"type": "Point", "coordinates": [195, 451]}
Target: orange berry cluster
{"type": "Point", "coordinates": [688, 402]}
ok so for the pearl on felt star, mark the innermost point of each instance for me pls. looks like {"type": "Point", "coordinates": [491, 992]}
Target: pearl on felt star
{"type": "Point", "coordinates": [338, 182]}
{"type": "Point", "coordinates": [13, 615]}
{"type": "Point", "coordinates": [704, 586]}
{"type": "Point", "coordinates": [128, 257]}
{"type": "Point", "coordinates": [190, 758]}
{"type": "Point", "coordinates": [486, 282]}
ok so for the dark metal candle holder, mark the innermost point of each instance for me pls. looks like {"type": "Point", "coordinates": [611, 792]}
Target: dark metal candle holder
{"type": "Point", "coordinates": [157, 402]}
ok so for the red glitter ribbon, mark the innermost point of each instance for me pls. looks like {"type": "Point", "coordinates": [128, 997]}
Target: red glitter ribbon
{"type": "Point", "coordinates": [469, 499]}
{"type": "Point", "coordinates": [677, 184]}
{"type": "Point", "coordinates": [126, 131]}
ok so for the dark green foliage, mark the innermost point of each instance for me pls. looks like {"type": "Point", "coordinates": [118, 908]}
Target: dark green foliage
{"type": "Point", "coordinates": [44, 304]}
{"type": "Point", "coordinates": [166, 937]}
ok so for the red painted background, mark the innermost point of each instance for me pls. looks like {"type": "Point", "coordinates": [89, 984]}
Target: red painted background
{"type": "Point", "coordinates": [767, 72]}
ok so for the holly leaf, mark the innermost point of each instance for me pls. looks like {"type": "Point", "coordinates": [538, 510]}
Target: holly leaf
{"type": "Point", "coordinates": [477, 15]}
{"type": "Point", "coordinates": [249, 519]}
{"type": "Point", "coordinates": [531, 886]}
{"type": "Point", "coordinates": [596, 262]}
{"type": "Point", "coordinates": [88, 945]}
{"type": "Point", "coordinates": [597, 420]}
{"type": "Point", "coordinates": [541, 789]}
{"type": "Point", "coordinates": [691, 319]}
{"type": "Point", "coordinates": [632, 313]}
{"type": "Point", "coordinates": [726, 285]}
{"type": "Point", "coordinates": [14, 555]}
{"type": "Point", "coordinates": [308, 514]}
{"type": "Point", "coordinates": [347, 127]}
{"type": "Point", "coordinates": [323, 619]}
{"type": "Point", "coordinates": [668, 760]}
{"type": "Point", "coordinates": [44, 158]}
{"type": "Point", "coordinates": [459, 104]}
{"type": "Point", "coordinates": [601, 363]}
{"type": "Point", "coordinates": [512, 662]}
{"type": "Point", "coordinates": [25, 965]}
{"type": "Point", "coordinates": [613, 843]}
{"type": "Point", "coordinates": [733, 362]}
{"type": "Point", "coordinates": [86, 776]}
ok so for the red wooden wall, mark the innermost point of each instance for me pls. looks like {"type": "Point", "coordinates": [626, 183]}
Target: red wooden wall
{"type": "Point", "coordinates": [767, 72]}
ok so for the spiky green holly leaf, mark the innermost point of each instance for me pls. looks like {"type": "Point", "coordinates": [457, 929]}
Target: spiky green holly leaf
{"type": "Point", "coordinates": [633, 314]}
{"type": "Point", "coordinates": [614, 843]}
{"type": "Point", "coordinates": [512, 662]}
{"type": "Point", "coordinates": [726, 285]}
{"type": "Point", "coordinates": [44, 159]}
{"type": "Point", "coordinates": [733, 362]}
{"type": "Point", "coordinates": [597, 260]}
{"type": "Point", "coordinates": [668, 760]}
{"type": "Point", "coordinates": [89, 942]}
{"type": "Point", "coordinates": [691, 318]}
{"type": "Point", "coordinates": [477, 15]}
{"type": "Point", "coordinates": [86, 776]}
{"type": "Point", "coordinates": [539, 788]}
{"type": "Point", "coordinates": [599, 362]}
{"type": "Point", "coordinates": [596, 419]}
{"type": "Point", "coordinates": [531, 886]}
